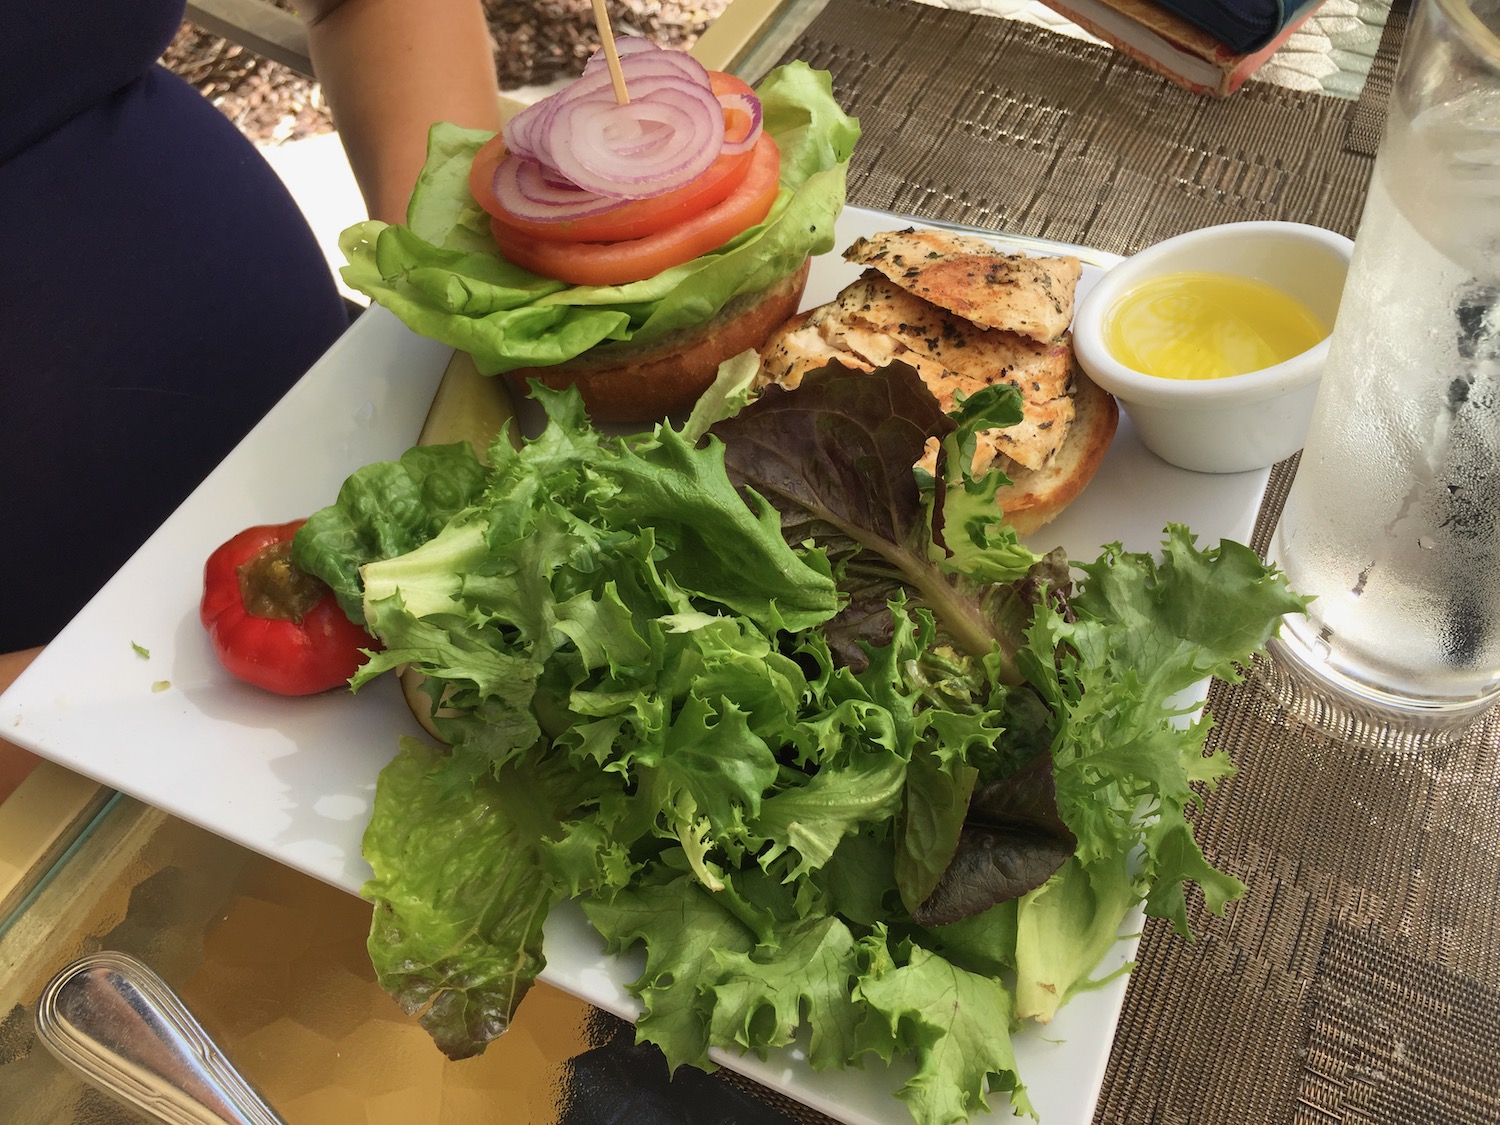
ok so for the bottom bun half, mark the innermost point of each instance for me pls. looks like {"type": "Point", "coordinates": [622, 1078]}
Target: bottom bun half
{"type": "Point", "coordinates": [645, 383]}
{"type": "Point", "coordinates": [1035, 496]}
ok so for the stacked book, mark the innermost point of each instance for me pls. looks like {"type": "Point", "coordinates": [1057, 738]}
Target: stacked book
{"type": "Point", "coordinates": [1209, 46]}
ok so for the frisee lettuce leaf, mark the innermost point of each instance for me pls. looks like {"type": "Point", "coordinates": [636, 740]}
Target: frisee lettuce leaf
{"type": "Point", "coordinates": [752, 702]}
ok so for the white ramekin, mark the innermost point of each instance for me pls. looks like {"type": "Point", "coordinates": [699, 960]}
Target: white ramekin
{"type": "Point", "coordinates": [1241, 422]}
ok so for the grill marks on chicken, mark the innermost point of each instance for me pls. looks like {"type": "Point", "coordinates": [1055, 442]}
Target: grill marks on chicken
{"type": "Point", "coordinates": [966, 275]}
{"type": "Point", "coordinates": [924, 314]}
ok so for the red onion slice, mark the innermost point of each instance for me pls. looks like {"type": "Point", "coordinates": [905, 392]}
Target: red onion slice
{"type": "Point", "coordinates": [742, 104]}
{"type": "Point", "coordinates": [523, 131]}
{"type": "Point", "coordinates": [638, 60]}
{"type": "Point", "coordinates": [580, 151]}
{"type": "Point", "coordinates": [531, 133]}
{"type": "Point", "coordinates": [624, 45]}
{"type": "Point", "coordinates": [523, 189]}
{"type": "Point", "coordinates": [601, 145]}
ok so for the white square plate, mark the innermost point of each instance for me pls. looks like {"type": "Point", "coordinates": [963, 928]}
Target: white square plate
{"type": "Point", "coordinates": [130, 694]}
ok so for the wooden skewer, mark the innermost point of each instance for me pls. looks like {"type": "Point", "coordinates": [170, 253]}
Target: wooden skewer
{"type": "Point", "coordinates": [611, 53]}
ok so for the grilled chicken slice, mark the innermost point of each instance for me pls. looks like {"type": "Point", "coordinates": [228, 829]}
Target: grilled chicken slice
{"type": "Point", "coordinates": [872, 322]}
{"type": "Point", "coordinates": [955, 358]}
{"type": "Point", "coordinates": [965, 316]}
{"type": "Point", "coordinates": [964, 274]}
{"type": "Point", "coordinates": [799, 346]}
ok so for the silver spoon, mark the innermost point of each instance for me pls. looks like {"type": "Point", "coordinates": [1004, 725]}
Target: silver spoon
{"type": "Point", "coordinates": [118, 1025]}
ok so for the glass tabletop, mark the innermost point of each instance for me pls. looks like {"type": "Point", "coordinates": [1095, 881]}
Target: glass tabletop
{"type": "Point", "coordinates": [273, 964]}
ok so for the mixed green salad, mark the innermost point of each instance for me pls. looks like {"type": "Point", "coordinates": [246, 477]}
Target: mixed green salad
{"type": "Point", "coordinates": [854, 766]}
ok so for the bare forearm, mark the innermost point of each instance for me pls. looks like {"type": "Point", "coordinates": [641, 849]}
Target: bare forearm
{"type": "Point", "coordinates": [15, 763]}
{"type": "Point", "coordinates": [390, 68]}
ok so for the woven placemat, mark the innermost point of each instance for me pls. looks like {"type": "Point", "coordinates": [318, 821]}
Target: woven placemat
{"type": "Point", "coordinates": [1367, 121]}
{"type": "Point", "coordinates": [1007, 126]}
{"type": "Point", "coordinates": [1371, 875]}
{"type": "Point", "coordinates": [1357, 979]}
{"type": "Point", "coordinates": [1364, 1063]}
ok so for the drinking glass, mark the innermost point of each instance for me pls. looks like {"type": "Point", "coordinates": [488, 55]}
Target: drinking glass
{"type": "Point", "coordinates": [1393, 520]}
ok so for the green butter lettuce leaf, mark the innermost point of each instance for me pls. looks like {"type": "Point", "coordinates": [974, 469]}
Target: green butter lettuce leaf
{"type": "Point", "coordinates": [441, 211]}
{"type": "Point", "coordinates": [716, 533]}
{"type": "Point", "coordinates": [936, 799]}
{"type": "Point", "coordinates": [459, 892]}
{"type": "Point", "coordinates": [1064, 928]}
{"type": "Point", "coordinates": [982, 943]}
{"type": "Point", "coordinates": [383, 511]}
{"type": "Point", "coordinates": [441, 275]}
{"type": "Point", "coordinates": [1127, 754]}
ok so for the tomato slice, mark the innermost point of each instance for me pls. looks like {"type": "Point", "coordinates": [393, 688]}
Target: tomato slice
{"type": "Point", "coordinates": [482, 172]}
{"type": "Point", "coordinates": [728, 84]}
{"type": "Point", "coordinates": [737, 122]}
{"type": "Point", "coordinates": [634, 218]}
{"type": "Point", "coordinates": [621, 262]}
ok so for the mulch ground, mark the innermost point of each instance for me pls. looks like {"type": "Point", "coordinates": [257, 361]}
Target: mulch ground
{"type": "Point", "coordinates": [535, 41]}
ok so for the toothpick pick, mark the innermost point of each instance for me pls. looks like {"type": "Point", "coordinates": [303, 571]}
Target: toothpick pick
{"type": "Point", "coordinates": [611, 53]}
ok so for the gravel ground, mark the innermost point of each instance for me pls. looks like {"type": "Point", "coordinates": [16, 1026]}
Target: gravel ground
{"type": "Point", "coordinates": [535, 42]}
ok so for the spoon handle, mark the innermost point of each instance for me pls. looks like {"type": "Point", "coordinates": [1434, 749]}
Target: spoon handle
{"type": "Point", "coordinates": [114, 1021]}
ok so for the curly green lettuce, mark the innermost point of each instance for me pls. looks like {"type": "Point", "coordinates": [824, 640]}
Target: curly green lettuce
{"type": "Point", "coordinates": [850, 764]}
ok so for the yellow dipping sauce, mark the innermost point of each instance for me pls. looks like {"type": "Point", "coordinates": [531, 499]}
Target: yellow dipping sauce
{"type": "Point", "coordinates": [1200, 325]}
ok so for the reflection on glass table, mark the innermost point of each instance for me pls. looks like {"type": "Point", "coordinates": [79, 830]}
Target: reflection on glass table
{"type": "Point", "coordinates": [273, 965]}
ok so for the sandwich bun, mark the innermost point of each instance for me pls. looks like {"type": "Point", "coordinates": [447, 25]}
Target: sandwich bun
{"type": "Point", "coordinates": [1036, 496]}
{"type": "Point", "coordinates": [966, 316]}
{"type": "Point", "coordinates": [644, 383]}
